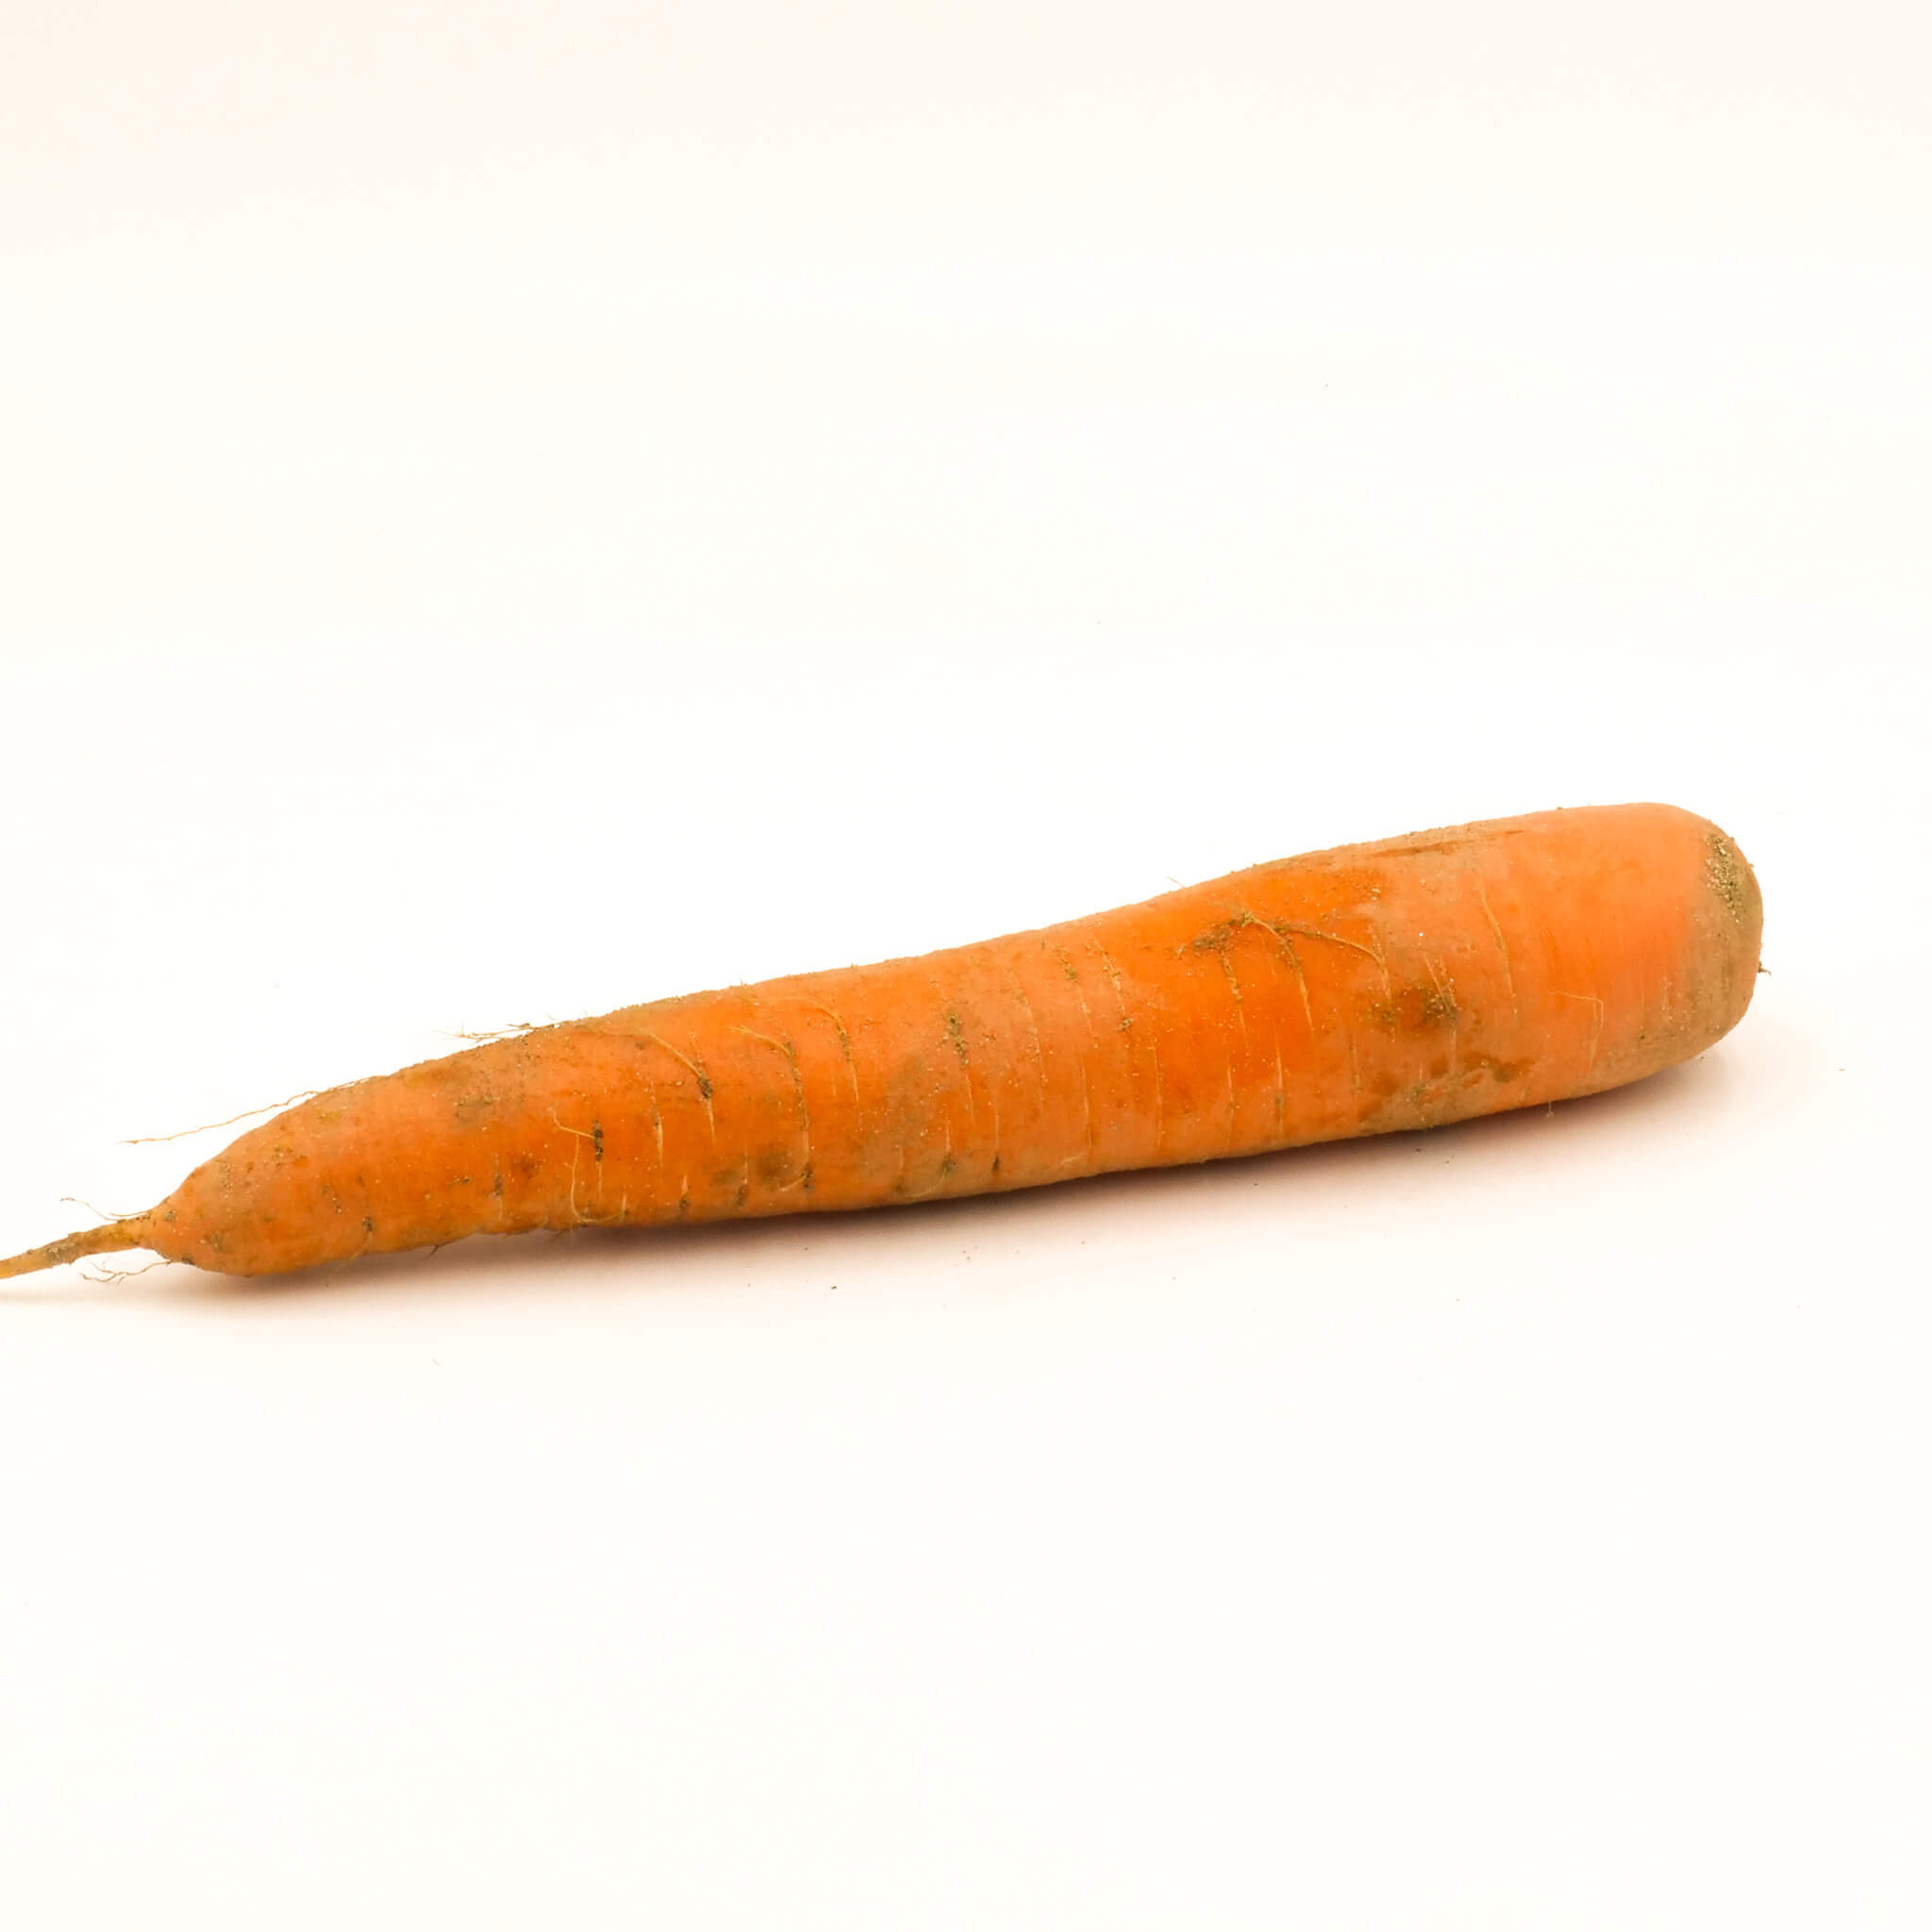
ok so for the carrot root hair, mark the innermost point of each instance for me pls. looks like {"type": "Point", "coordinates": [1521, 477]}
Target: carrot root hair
{"type": "Point", "coordinates": [109, 1239]}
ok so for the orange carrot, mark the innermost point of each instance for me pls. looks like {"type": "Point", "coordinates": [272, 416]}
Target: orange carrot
{"type": "Point", "coordinates": [1366, 989]}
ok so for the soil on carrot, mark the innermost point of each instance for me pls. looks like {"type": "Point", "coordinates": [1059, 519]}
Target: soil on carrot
{"type": "Point", "coordinates": [1726, 873]}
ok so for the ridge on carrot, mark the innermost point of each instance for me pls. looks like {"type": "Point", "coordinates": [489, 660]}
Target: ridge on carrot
{"type": "Point", "coordinates": [1369, 989]}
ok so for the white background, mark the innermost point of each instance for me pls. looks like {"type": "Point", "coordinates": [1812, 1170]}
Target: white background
{"type": "Point", "coordinates": [510, 510]}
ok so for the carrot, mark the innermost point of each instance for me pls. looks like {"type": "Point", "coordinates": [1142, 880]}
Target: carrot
{"type": "Point", "coordinates": [1371, 989]}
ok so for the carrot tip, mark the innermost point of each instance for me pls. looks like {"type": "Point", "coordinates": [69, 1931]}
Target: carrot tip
{"type": "Point", "coordinates": [108, 1239]}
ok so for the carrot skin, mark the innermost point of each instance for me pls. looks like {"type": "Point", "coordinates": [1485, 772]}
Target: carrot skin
{"type": "Point", "coordinates": [1369, 988]}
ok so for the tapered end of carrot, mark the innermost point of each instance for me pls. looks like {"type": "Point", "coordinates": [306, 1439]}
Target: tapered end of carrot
{"type": "Point", "coordinates": [108, 1239]}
